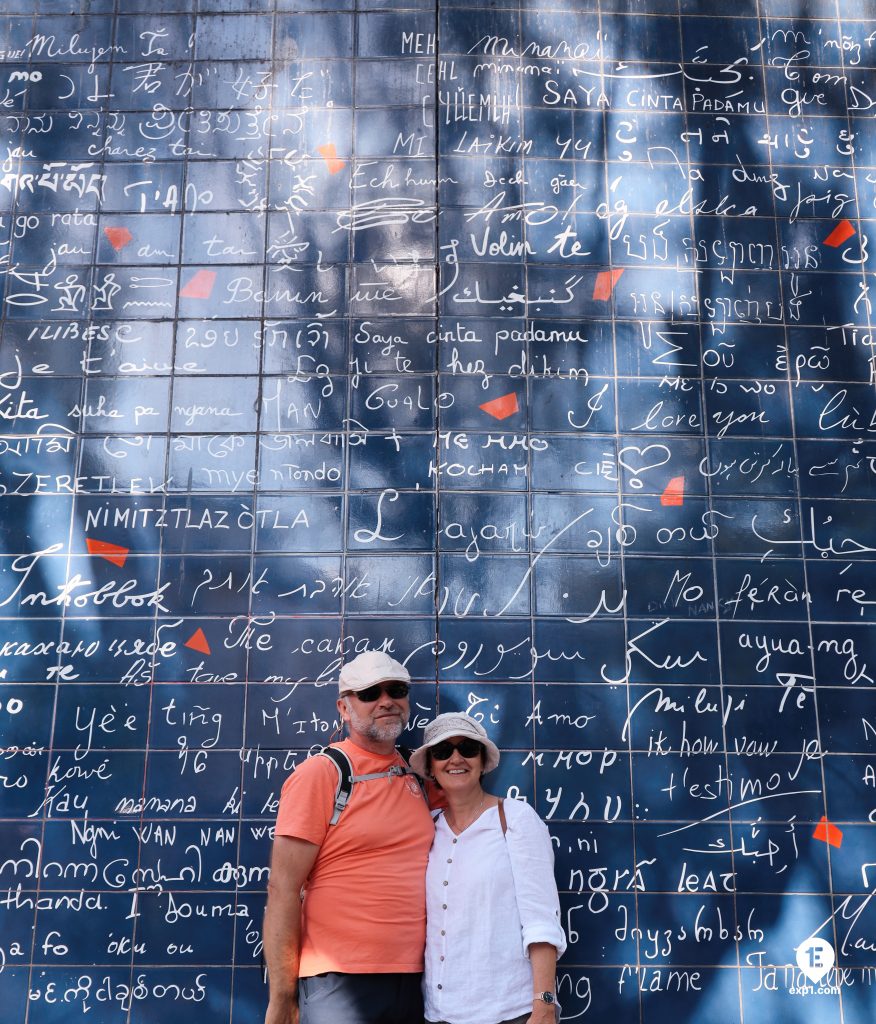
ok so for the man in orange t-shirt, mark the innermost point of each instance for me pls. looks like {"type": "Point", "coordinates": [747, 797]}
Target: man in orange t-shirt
{"type": "Point", "coordinates": [351, 952]}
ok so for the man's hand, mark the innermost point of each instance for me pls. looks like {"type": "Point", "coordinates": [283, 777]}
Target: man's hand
{"type": "Point", "coordinates": [282, 1011]}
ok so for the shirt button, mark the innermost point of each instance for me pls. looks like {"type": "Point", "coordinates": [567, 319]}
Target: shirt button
{"type": "Point", "coordinates": [442, 958]}
{"type": "Point", "coordinates": [456, 840]}
{"type": "Point", "coordinates": [443, 907]}
{"type": "Point", "coordinates": [449, 860]}
{"type": "Point", "coordinates": [443, 932]}
{"type": "Point", "coordinates": [440, 986]}
{"type": "Point", "coordinates": [446, 883]}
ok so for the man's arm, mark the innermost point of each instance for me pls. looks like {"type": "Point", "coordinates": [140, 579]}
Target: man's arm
{"type": "Point", "coordinates": [291, 862]}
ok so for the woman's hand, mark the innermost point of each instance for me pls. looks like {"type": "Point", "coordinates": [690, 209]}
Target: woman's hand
{"type": "Point", "coordinates": [542, 1013]}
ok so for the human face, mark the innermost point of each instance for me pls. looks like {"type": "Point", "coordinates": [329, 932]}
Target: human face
{"type": "Point", "coordinates": [377, 725]}
{"type": "Point", "coordinates": [458, 774]}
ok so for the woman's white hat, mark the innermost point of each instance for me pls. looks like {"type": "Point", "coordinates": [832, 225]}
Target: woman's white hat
{"type": "Point", "coordinates": [453, 723]}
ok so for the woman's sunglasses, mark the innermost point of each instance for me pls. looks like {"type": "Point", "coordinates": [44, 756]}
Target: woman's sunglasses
{"type": "Point", "coordinates": [466, 747]}
{"type": "Point", "coordinates": [396, 691]}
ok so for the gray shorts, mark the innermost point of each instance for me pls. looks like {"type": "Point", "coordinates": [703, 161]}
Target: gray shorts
{"type": "Point", "coordinates": [517, 1020]}
{"type": "Point", "coordinates": [360, 999]}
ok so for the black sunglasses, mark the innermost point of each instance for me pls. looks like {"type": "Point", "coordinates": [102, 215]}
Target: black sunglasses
{"type": "Point", "coordinates": [368, 696]}
{"type": "Point", "coordinates": [468, 748]}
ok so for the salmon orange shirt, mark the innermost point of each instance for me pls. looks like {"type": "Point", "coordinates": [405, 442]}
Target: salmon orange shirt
{"type": "Point", "coordinates": [365, 900]}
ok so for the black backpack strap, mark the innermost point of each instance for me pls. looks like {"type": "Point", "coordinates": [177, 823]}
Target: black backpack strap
{"type": "Point", "coordinates": [345, 780]}
{"type": "Point", "coordinates": [405, 753]}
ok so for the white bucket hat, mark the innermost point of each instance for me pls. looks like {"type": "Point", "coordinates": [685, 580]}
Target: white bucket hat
{"type": "Point", "coordinates": [453, 723]}
{"type": "Point", "coordinates": [369, 668]}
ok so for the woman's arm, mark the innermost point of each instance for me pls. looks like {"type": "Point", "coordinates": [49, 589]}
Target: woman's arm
{"type": "Point", "coordinates": [543, 957]}
{"type": "Point", "coordinates": [532, 866]}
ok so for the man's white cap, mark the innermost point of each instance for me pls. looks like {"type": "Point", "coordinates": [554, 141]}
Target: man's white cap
{"type": "Point", "coordinates": [453, 723]}
{"type": "Point", "coordinates": [369, 668]}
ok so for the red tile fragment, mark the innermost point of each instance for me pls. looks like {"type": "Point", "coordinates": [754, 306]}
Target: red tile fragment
{"type": "Point", "coordinates": [330, 154]}
{"type": "Point", "coordinates": [828, 833]}
{"type": "Point", "coordinates": [200, 286]}
{"type": "Point", "coordinates": [841, 233]}
{"type": "Point", "coordinates": [502, 407]}
{"type": "Point", "coordinates": [605, 282]}
{"type": "Point", "coordinates": [673, 493]}
{"type": "Point", "coordinates": [118, 238]}
{"type": "Point", "coordinates": [198, 642]}
{"type": "Point", "coordinates": [111, 552]}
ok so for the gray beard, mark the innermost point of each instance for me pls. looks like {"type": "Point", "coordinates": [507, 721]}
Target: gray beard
{"type": "Point", "coordinates": [385, 732]}
{"type": "Point", "coordinates": [388, 732]}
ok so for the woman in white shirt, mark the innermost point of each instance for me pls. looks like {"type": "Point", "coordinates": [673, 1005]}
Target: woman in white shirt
{"type": "Point", "coordinates": [493, 930]}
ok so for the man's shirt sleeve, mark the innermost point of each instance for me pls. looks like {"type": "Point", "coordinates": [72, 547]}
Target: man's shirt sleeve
{"type": "Point", "coordinates": [307, 800]}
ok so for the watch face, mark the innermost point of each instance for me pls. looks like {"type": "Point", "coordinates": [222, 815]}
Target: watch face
{"type": "Point", "coordinates": [547, 997]}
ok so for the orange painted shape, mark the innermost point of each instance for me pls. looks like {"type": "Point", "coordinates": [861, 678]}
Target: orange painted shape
{"type": "Point", "coordinates": [605, 282]}
{"type": "Point", "coordinates": [111, 552]}
{"type": "Point", "coordinates": [828, 833]}
{"type": "Point", "coordinates": [198, 642]}
{"type": "Point", "coordinates": [502, 407]}
{"type": "Point", "coordinates": [200, 286]}
{"type": "Point", "coordinates": [841, 233]}
{"type": "Point", "coordinates": [673, 493]}
{"type": "Point", "coordinates": [118, 238]}
{"type": "Point", "coordinates": [330, 154]}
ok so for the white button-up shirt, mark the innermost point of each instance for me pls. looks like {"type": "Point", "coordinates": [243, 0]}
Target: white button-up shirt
{"type": "Point", "coordinates": [488, 897]}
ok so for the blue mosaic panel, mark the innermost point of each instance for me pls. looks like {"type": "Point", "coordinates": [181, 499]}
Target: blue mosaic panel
{"type": "Point", "coordinates": [531, 342]}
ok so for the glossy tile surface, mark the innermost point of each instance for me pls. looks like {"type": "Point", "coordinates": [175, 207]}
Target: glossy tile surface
{"type": "Point", "coordinates": [531, 341]}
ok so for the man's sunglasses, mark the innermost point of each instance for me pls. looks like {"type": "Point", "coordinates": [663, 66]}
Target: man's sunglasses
{"type": "Point", "coordinates": [397, 691]}
{"type": "Point", "coordinates": [468, 748]}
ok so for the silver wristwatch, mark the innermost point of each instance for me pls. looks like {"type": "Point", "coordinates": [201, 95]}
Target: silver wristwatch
{"type": "Point", "coordinates": [545, 997]}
